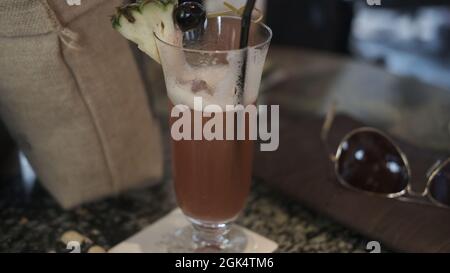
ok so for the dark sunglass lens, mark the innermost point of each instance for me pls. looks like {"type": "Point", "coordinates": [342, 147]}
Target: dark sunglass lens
{"type": "Point", "coordinates": [370, 162]}
{"type": "Point", "coordinates": [440, 185]}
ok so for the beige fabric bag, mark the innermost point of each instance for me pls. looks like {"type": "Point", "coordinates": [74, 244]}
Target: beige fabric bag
{"type": "Point", "coordinates": [72, 98]}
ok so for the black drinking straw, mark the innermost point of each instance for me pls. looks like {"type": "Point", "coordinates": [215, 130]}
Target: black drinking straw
{"type": "Point", "coordinates": [243, 43]}
{"type": "Point", "coordinates": [246, 22]}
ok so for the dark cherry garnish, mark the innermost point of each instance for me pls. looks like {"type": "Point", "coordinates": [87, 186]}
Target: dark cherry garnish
{"type": "Point", "coordinates": [189, 15]}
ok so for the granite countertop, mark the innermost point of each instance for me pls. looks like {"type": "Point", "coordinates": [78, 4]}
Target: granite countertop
{"type": "Point", "coordinates": [32, 221]}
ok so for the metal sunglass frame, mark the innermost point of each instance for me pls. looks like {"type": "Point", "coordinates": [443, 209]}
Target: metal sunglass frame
{"type": "Point", "coordinates": [406, 194]}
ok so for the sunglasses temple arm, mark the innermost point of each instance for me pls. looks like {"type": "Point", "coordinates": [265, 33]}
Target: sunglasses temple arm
{"type": "Point", "coordinates": [324, 134]}
{"type": "Point", "coordinates": [431, 172]}
{"type": "Point", "coordinates": [433, 168]}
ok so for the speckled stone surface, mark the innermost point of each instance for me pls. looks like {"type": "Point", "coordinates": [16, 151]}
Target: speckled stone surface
{"type": "Point", "coordinates": [32, 221]}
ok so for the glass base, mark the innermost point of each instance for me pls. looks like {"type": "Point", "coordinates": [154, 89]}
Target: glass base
{"type": "Point", "coordinates": [201, 238]}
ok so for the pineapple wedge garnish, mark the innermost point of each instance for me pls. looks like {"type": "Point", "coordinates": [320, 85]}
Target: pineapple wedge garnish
{"type": "Point", "coordinates": [139, 21]}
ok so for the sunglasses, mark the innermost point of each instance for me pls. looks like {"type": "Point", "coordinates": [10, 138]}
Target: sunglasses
{"type": "Point", "coordinates": [368, 160]}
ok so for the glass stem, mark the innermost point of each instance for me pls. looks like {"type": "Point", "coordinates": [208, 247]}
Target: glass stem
{"type": "Point", "coordinates": [210, 234]}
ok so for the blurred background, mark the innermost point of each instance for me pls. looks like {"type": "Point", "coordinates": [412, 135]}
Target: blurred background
{"type": "Point", "coordinates": [410, 38]}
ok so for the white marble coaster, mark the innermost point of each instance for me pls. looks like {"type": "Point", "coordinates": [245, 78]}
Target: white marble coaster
{"type": "Point", "coordinates": [153, 237]}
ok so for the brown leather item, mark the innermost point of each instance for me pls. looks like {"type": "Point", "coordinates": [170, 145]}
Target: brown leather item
{"type": "Point", "coordinates": [301, 169]}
